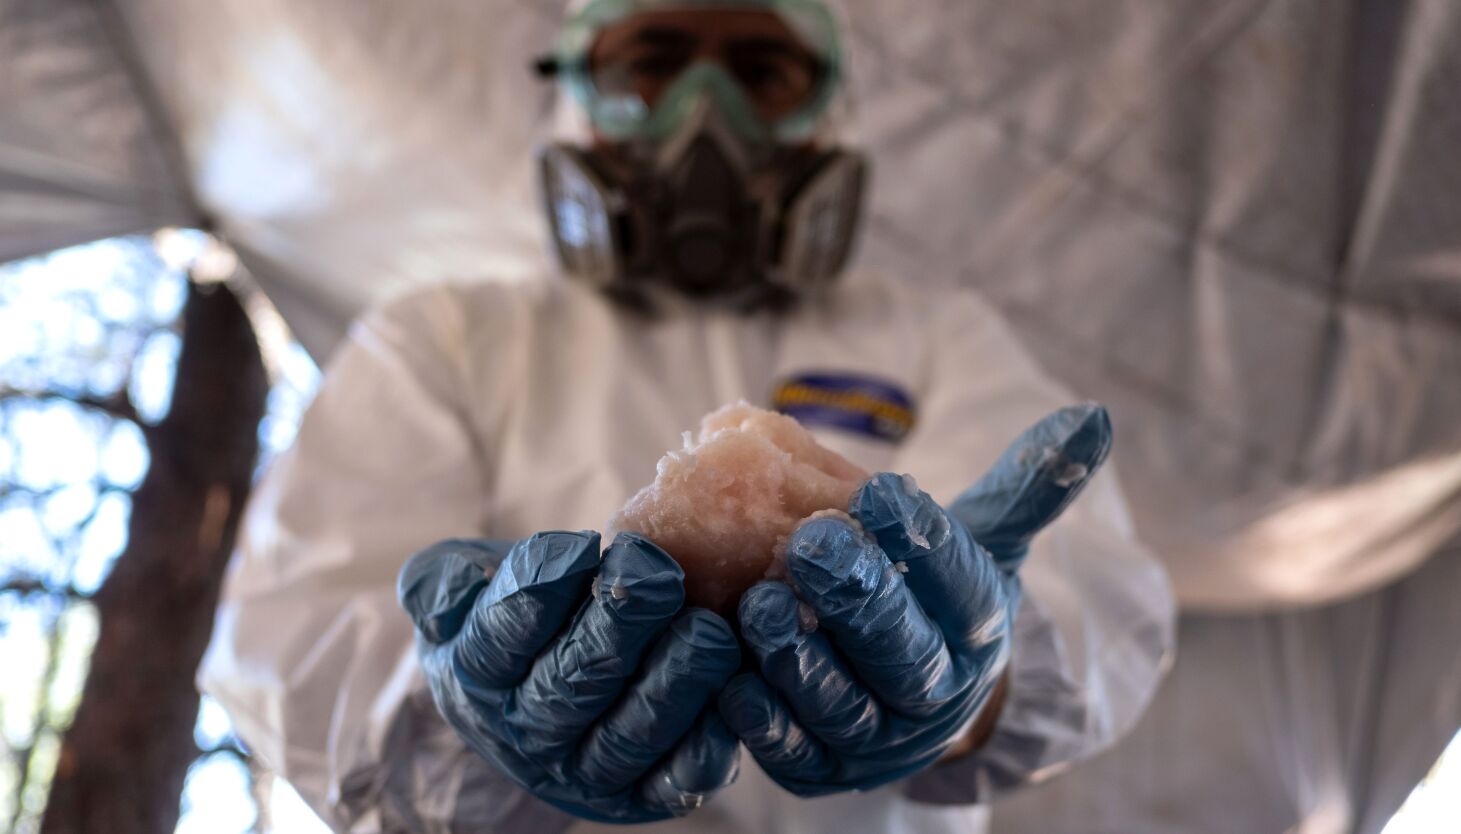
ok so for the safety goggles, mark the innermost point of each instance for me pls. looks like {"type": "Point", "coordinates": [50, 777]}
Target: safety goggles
{"type": "Point", "coordinates": [638, 67]}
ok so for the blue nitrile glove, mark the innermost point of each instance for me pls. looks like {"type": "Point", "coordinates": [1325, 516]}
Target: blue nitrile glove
{"type": "Point", "coordinates": [576, 678]}
{"type": "Point", "coordinates": [912, 621]}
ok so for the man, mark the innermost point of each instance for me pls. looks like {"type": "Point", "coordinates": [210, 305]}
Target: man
{"type": "Point", "coordinates": [703, 217]}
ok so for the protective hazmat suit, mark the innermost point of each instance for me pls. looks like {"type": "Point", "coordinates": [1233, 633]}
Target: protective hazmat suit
{"type": "Point", "coordinates": [502, 410]}
{"type": "Point", "coordinates": [465, 412]}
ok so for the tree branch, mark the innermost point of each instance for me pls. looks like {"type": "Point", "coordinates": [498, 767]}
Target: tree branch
{"type": "Point", "coordinates": [25, 586]}
{"type": "Point", "coordinates": [118, 405]}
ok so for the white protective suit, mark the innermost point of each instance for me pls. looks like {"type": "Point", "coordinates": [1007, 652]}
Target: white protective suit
{"type": "Point", "coordinates": [501, 410]}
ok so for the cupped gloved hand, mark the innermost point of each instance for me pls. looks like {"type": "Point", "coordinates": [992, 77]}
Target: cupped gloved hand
{"type": "Point", "coordinates": [895, 637]}
{"type": "Point", "coordinates": [580, 680]}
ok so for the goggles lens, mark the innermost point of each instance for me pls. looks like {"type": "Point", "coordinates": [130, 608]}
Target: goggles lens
{"type": "Point", "coordinates": [644, 56]}
{"type": "Point", "coordinates": [626, 61]}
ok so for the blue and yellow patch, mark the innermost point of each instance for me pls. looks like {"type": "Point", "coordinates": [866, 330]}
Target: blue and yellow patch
{"type": "Point", "coordinates": [850, 402]}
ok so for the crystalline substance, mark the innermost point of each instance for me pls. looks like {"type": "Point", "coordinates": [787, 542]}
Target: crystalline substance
{"type": "Point", "coordinates": [724, 504]}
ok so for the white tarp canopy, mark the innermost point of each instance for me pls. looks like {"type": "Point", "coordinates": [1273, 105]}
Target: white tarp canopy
{"type": "Point", "coordinates": [1236, 222]}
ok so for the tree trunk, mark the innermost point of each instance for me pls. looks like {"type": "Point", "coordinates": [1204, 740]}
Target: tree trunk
{"type": "Point", "coordinates": [123, 762]}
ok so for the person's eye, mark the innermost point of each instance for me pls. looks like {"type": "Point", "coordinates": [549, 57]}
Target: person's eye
{"type": "Point", "coordinates": [773, 78]}
{"type": "Point", "coordinates": [762, 74]}
{"type": "Point", "coordinates": [657, 65]}
{"type": "Point", "coordinates": [775, 84]}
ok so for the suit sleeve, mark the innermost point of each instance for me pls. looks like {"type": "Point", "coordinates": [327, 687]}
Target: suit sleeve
{"type": "Point", "coordinates": [311, 655]}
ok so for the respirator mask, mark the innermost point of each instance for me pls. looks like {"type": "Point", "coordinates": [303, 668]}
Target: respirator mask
{"type": "Point", "coordinates": [705, 175]}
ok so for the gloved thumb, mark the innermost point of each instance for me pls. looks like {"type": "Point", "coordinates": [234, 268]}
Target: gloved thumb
{"type": "Point", "coordinates": [438, 586]}
{"type": "Point", "coordinates": [1034, 480]}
